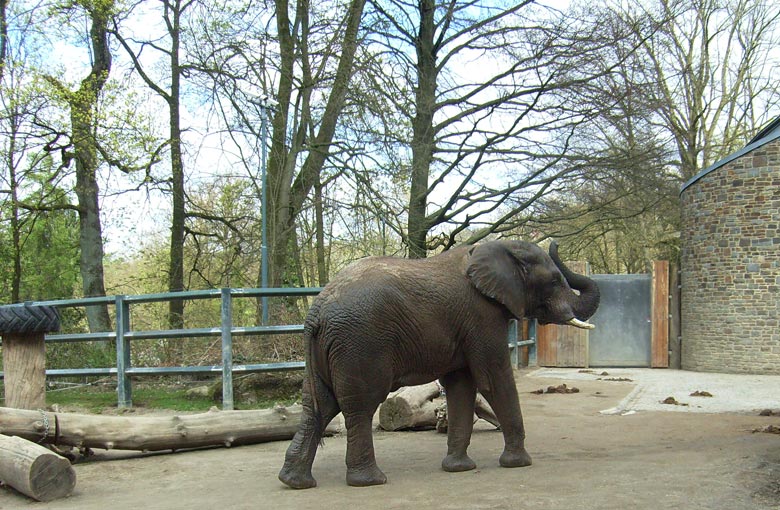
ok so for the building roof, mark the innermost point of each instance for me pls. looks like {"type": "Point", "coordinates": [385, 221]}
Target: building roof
{"type": "Point", "coordinates": [768, 133]}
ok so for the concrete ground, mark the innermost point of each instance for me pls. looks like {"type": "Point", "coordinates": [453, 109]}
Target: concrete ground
{"type": "Point", "coordinates": [731, 393]}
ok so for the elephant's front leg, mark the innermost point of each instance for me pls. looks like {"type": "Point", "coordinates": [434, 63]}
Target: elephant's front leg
{"type": "Point", "coordinates": [500, 391]}
{"type": "Point", "coordinates": [461, 394]}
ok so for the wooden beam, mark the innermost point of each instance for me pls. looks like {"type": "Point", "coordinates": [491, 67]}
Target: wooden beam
{"type": "Point", "coordinates": [659, 329]}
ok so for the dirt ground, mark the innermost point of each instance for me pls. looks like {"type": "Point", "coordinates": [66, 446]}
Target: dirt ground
{"type": "Point", "coordinates": [582, 459]}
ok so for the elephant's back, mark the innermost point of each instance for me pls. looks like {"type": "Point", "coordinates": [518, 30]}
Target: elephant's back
{"type": "Point", "coordinates": [387, 299]}
{"type": "Point", "coordinates": [387, 280]}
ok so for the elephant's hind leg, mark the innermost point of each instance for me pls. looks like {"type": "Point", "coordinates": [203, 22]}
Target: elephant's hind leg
{"type": "Point", "coordinates": [362, 469]}
{"type": "Point", "coordinates": [461, 394]}
{"type": "Point", "coordinates": [299, 458]}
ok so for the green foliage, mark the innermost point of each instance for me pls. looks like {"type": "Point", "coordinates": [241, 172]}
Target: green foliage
{"type": "Point", "coordinates": [49, 242]}
{"type": "Point", "coordinates": [50, 257]}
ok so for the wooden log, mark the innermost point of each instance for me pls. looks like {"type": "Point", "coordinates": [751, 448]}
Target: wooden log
{"type": "Point", "coordinates": [24, 370]}
{"type": "Point", "coordinates": [411, 407]}
{"type": "Point", "coordinates": [483, 410]}
{"type": "Point", "coordinates": [34, 470]}
{"type": "Point", "coordinates": [213, 428]}
{"type": "Point", "coordinates": [420, 407]}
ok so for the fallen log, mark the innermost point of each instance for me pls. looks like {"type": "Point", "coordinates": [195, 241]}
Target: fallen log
{"type": "Point", "coordinates": [483, 410]}
{"type": "Point", "coordinates": [411, 407]}
{"type": "Point", "coordinates": [421, 407]}
{"type": "Point", "coordinates": [144, 433]}
{"type": "Point", "coordinates": [34, 470]}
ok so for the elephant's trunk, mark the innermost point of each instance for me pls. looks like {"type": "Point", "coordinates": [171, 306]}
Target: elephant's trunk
{"type": "Point", "coordinates": [584, 305]}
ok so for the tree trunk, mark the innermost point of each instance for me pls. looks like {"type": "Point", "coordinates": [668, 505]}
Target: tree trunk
{"type": "Point", "coordinates": [322, 267]}
{"type": "Point", "coordinates": [422, 132]}
{"type": "Point", "coordinates": [34, 470]}
{"type": "Point", "coordinates": [214, 428]}
{"type": "Point", "coordinates": [16, 223]}
{"type": "Point", "coordinates": [3, 36]}
{"type": "Point", "coordinates": [176, 266]}
{"type": "Point", "coordinates": [83, 105]}
{"type": "Point", "coordinates": [288, 197]}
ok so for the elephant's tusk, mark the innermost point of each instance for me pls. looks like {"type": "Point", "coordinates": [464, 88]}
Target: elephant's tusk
{"type": "Point", "coordinates": [579, 324]}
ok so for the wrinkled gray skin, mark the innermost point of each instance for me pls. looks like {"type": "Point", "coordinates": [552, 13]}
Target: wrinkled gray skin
{"type": "Point", "coordinates": [383, 323]}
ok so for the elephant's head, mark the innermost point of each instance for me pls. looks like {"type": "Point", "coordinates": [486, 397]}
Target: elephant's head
{"type": "Point", "coordinates": [533, 284]}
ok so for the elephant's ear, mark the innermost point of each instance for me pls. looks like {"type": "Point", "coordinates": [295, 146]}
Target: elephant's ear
{"type": "Point", "coordinates": [497, 274]}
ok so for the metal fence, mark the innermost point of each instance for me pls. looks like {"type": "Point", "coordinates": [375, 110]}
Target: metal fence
{"type": "Point", "coordinates": [123, 334]}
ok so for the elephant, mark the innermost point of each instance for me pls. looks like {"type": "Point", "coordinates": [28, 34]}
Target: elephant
{"type": "Point", "coordinates": [384, 322]}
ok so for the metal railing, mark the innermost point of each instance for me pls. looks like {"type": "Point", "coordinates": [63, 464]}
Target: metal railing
{"type": "Point", "coordinates": [123, 335]}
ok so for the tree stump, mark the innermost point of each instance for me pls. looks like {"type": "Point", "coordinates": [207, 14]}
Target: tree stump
{"type": "Point", "coordinates": [34, 470]}
{"type": "Point", "coordinates": [24, 354]}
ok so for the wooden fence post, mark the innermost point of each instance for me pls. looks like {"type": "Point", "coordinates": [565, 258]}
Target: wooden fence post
{"type": "Point", "coordinates": [660, 315]}
{"type": "Point", "coordinates": [22, 328]}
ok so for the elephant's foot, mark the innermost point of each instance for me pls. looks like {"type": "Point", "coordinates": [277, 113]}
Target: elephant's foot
{"type": "Point", "coordinates": [454, 463]}
{"type": "Point", "coordinates": [296, 479]}
{"type": "Point", "coordinates": [515, 458]}
{"type": "Point", "coordinates": [366, 476]}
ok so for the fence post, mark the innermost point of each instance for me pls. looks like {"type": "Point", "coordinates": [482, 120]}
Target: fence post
{"type": "Point", "coordinates": [124, 389]}
{"type": "Point", "coordinates": [227, 349]}
{"type": "Point", "coordinates": [659, 329]}
{"type": "Point", "coordinates": [24, 354]}
{"type": "Point", "coordinates": [532, 348]}
{"type": "Point", "coordinates": [514, 348]}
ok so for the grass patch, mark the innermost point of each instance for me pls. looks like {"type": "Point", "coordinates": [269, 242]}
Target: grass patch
{"type": "Point", "coordinates": [97, 399]}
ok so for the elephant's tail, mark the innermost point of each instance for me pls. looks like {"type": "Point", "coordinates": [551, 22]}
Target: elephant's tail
{"type": "Point", "coordinates": [316, 387]}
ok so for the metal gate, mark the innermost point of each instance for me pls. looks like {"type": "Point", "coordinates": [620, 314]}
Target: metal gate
{"type": "Point", "coordinates": [622, 337]}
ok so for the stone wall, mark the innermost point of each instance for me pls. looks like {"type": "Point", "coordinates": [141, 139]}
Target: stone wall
{"type": "Point", "coordinates": [731, 266]}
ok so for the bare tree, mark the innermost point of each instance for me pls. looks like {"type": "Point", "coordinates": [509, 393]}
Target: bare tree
{"type": "Point", "coordinates": [289, 189]}
{"type": "Point", "coordinates": [714, 66]}
{"type": "Point", "coordinates": [696, 89]}
{"type": "Point", "coordinates": [488, 122]}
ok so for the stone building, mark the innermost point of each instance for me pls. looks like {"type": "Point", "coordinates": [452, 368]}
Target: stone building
{"type": "Point", "coordinates": [731, 261]}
